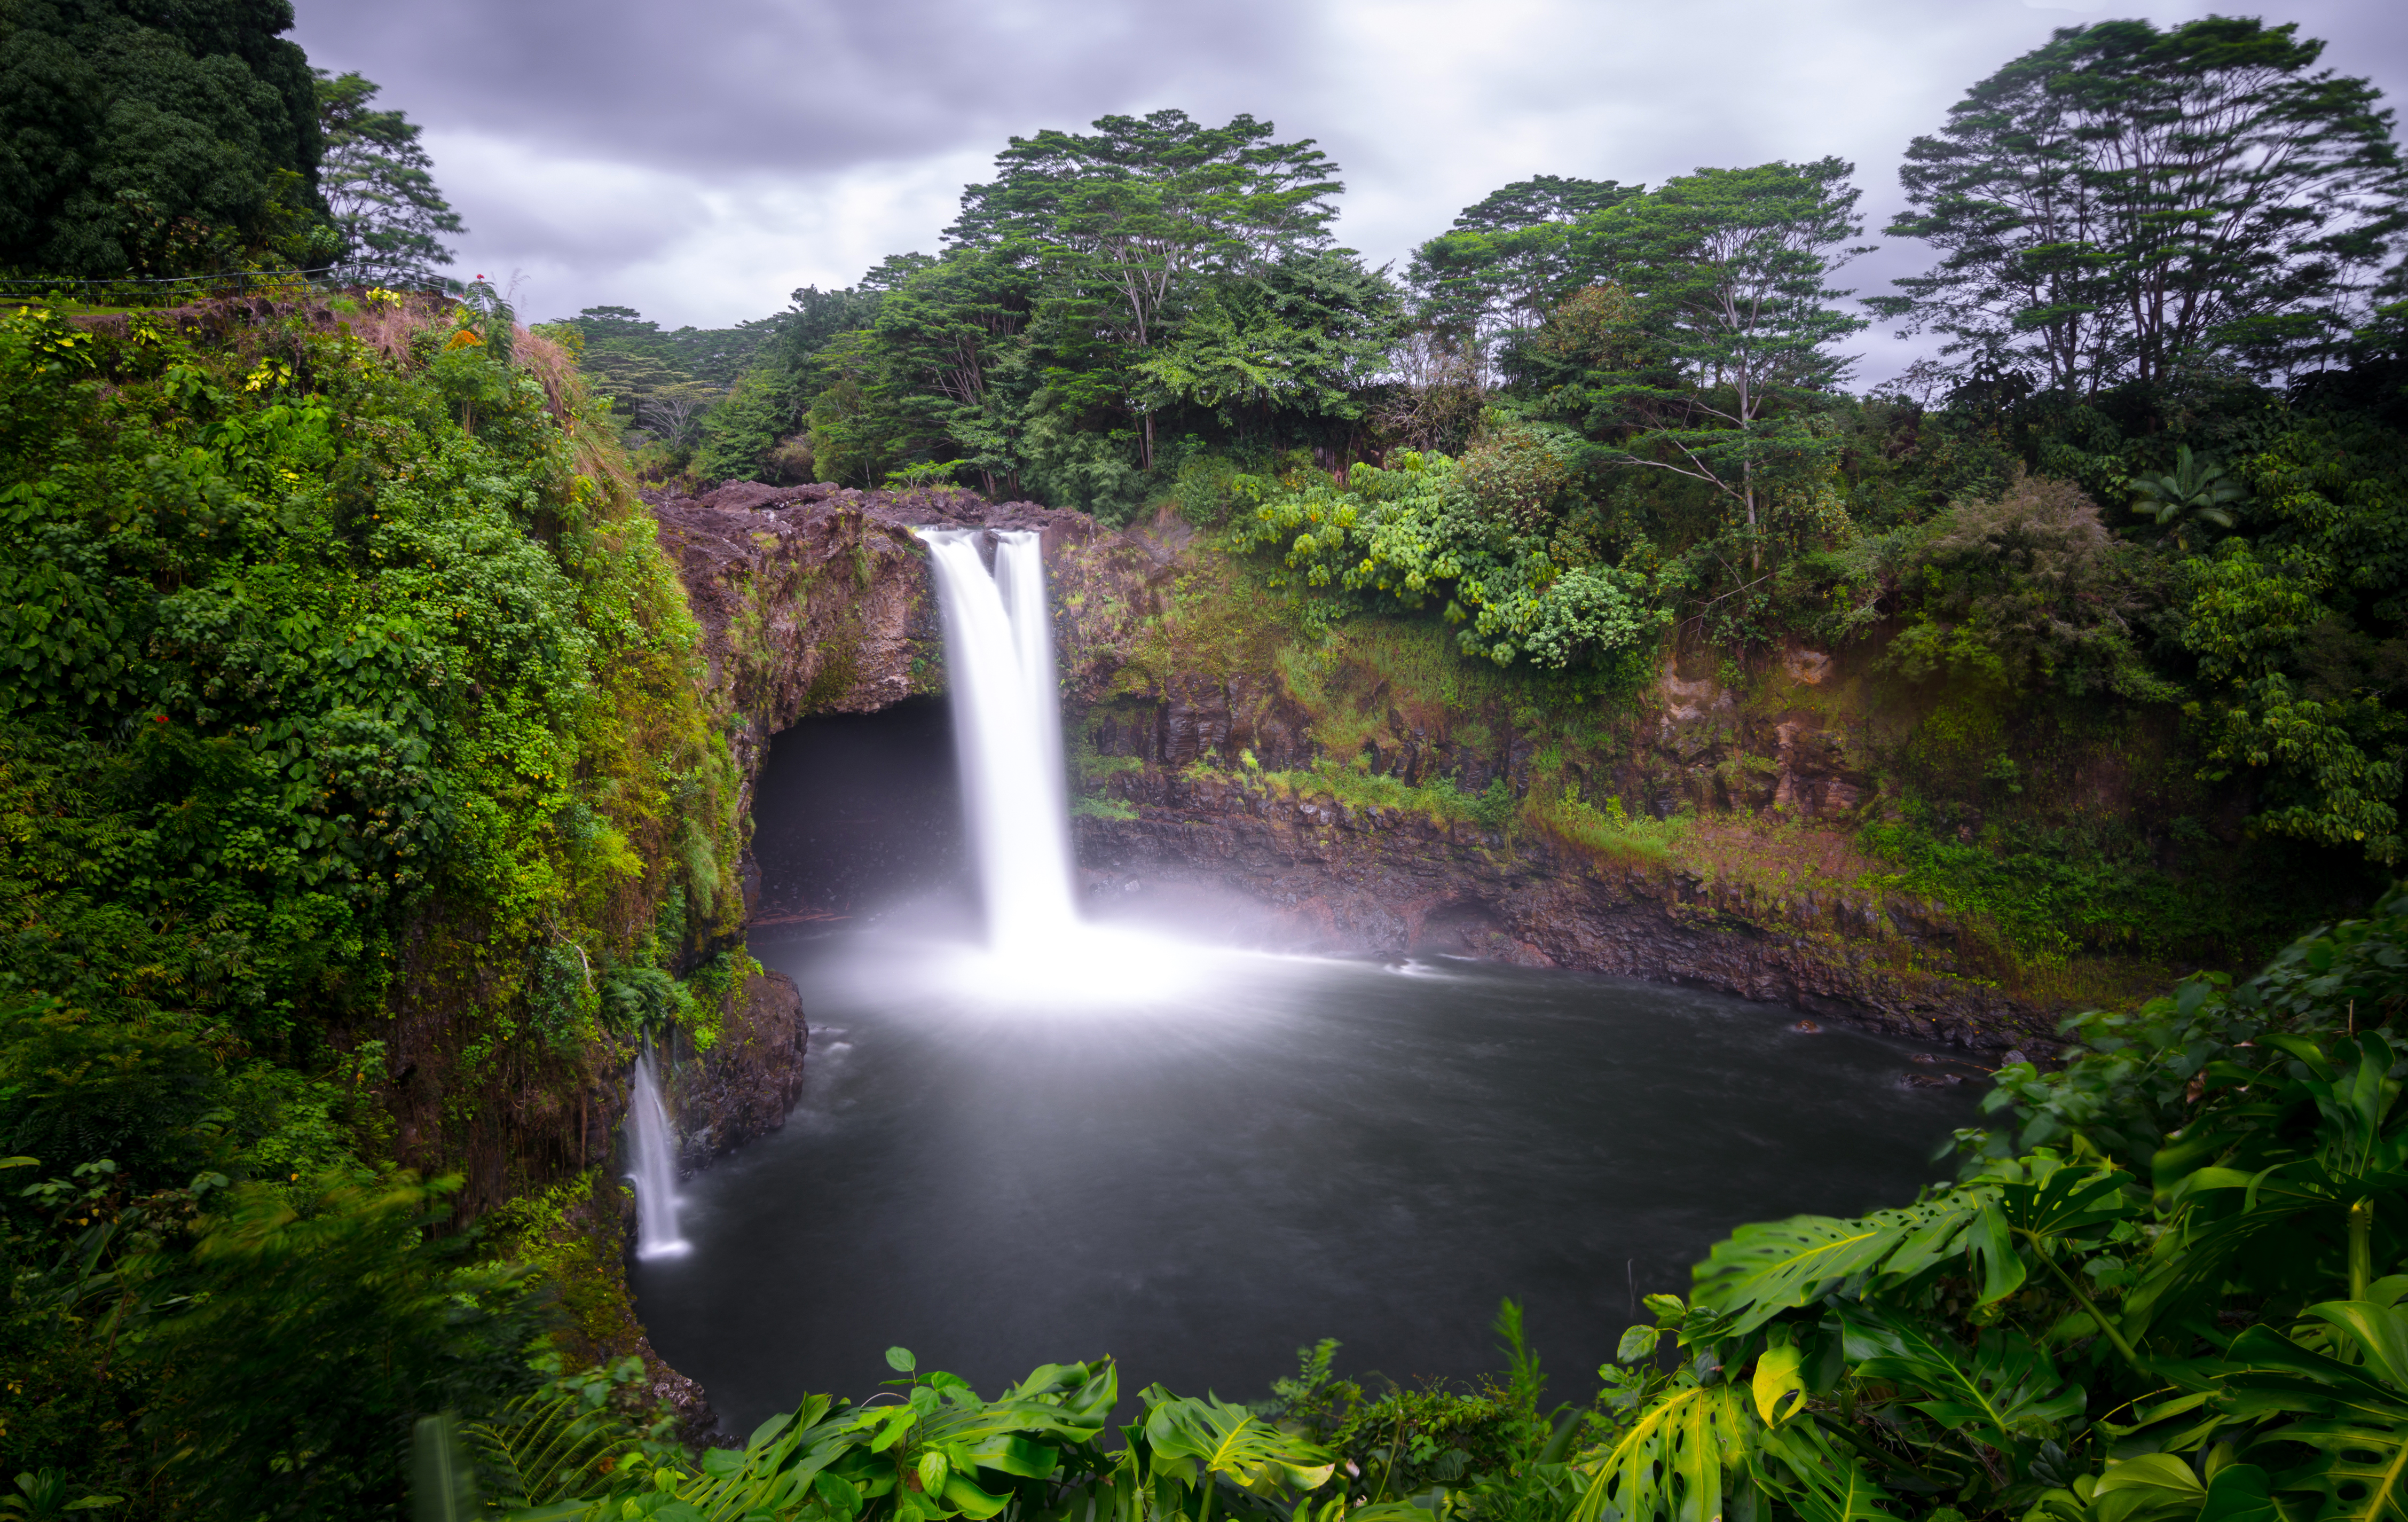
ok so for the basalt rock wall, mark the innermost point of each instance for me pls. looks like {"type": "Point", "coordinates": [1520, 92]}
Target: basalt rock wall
{"type": "Point", "coordinates": [816, 599]}
{"type": "Point", "coordinates": [1333, 877]}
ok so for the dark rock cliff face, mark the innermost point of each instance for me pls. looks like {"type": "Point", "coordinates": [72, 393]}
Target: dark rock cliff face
{"type": "Point", "coordinates": [743, 1087]}
{"type": "Point", "coordinates": [816, 599]}
{"type": "Point", "coordinates": [1332, 877]}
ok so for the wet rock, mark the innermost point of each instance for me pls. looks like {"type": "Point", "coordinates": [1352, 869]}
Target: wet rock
{"type": "Point", "coordinates": [1806, 1027]}
{"type": "Point", "coordinates": [747, 1084]}
{"type": "Point", "coordinates": [1402, 884]}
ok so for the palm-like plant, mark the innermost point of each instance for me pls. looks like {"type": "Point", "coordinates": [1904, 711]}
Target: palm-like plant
{"type": "Point", "coordinates": [2195, 491]}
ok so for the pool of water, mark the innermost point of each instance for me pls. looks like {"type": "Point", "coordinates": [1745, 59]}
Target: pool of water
{"type": "Point", "coordinates": [1197, 1161]}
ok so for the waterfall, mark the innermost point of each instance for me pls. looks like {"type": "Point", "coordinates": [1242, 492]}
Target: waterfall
{"type": "Point", "coordinates": [1008, 723]}
{"type": "Point", "coordinates": [655, 1175]}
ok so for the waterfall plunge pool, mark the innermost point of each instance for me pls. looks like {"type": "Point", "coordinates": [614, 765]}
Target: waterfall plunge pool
{"type": "Point", "coordinates": [1092, 1140]}
{"type": "Point", "coordinates": [1201, 1180]}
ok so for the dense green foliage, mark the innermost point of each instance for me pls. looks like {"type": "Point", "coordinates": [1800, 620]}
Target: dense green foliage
{"type": "Point", "coordinates": [330, 631]}
{"type": "Point", "coordinates": [1106, 308]}
{"type": "Point", "coordinates": [2123, 200]}
{"type": "Point", "coordinates": [156, 140]}
{"type": "Point", "coordinates": [356, 794]}
{"type": "Point", "coordinates": [666, 387]}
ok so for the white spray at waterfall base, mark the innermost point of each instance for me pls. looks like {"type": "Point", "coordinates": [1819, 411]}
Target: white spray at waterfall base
{"type": "Point", "coordinates": [1008, 727]}
{"type": "Point", "coordinates": [655, 1157]}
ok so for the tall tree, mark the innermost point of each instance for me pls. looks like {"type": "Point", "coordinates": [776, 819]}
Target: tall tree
{"type": "Point", "coordinates": [379, 184]}
{"type": "Point", "coordinates": [150, 139]}
{"type": "Point", "coordinates": [2124, 198]}
{"type": "Point", "coordinates": [1512, 257]}
{"type": "Point", "coordinates": [1126, 220]}
{"type": "Point", "coordinates": [1722, 273]}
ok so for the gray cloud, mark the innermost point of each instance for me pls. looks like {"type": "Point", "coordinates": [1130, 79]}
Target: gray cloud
{"type": "Point", "coordinates": [699, 162]}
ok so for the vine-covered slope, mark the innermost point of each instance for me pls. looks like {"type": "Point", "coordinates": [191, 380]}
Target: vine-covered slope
{"type": "Point", "coordinates": [362, 806]}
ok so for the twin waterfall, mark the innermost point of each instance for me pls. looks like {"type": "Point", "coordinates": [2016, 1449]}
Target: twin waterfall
{"type": "Point", "coordinates": [1008, 726]}
{"type": "Point", "coordinates": [654, 1145]}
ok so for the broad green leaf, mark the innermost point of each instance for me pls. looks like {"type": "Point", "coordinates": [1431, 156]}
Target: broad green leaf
{"type": "Point", "coordinates": [971, 1500]}
{"type": "Point", "coordinates": [2153, 1471]}
{"type": "Point", "coordinates": [1779, 1379]}
{"type": "Point", "coordinates": [2239, 1493]}
{"type": "Point", "coordinates": [2380, 1332]}
{"type": "Point", "coordinates": [2004, 1389]}
{"type": "Point", "coordinates": [1670, 1466]}
{"type": "Point", "coordinates": [1760, 1270]}
{"type": "Point", "coordinates": [2361, 1469]}
{"type": "Point", "coordinates": [837, 1491]}
{"type": "Point", "coordinates": [1187, 1432]}
{"type": "Point", "coordinates": [1818, 1481]}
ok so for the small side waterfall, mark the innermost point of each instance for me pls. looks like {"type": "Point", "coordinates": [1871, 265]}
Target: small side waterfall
{"type": "Point", "coordinates": [1008, 722]}
{"type": "Point", "coordinates": [656, 1175]}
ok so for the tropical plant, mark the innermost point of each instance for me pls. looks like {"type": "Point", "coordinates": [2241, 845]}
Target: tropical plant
{"type": "Point", "coordinates": [2195, 490]}
{"type": "Point", "coordinates": [1512, 257]}
{"type": "Point", "coordinates": [1727, 270]}
{"type": "Point", "coordinates": [378, 182]}
{"type": "Point", "coordinates": [43, 1494]}
{"type": "Point", "coordinates": [157, 142]}
{"type": "Point", "coordinates": [1481, 539]}
{"type": "Point", "coordinates": [2056, 1336]}
{"type": "Point", "coordinates": [934, 1449]}
{"type": "Point", "coordinates": [1127, 221]}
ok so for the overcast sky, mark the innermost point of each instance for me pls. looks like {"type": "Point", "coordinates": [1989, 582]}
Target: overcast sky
{"type": "Point", "coordinates": [699, 161]}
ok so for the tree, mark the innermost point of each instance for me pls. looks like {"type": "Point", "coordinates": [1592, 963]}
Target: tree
{"type": "Point", "coordinates": [378, 183]}
{"type": "Point", "coordinates": [1512, 257]}
{"type": "Point", "coordinates": [1302, 336]}
{"type": "Point", "coordinates": [1724, 272]}
{"type": "Point", "coordinates": [2123, 199]}
{"type": "Point", "coordinates": [140, 139]}
{"type": "Point", "coordinates": [756, 434]}
{"type": "Point", "coordinates": [915, 383]}
{"type": "Point", "coordinates": [1124, 221]}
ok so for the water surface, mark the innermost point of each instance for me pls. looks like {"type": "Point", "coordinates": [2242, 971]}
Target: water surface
{"type": "Point", "coordinates": [1205, 1162]}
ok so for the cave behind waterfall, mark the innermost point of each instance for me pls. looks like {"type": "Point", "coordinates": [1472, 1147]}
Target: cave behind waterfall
{"type": "Point", "coordinates": [857, 812]}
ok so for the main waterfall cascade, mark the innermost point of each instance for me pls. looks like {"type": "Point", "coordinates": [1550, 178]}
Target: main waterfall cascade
{"type": "Point", "coordinates": [1008, 723]}
{"type": "Point", "coordinates": [656, 1173]}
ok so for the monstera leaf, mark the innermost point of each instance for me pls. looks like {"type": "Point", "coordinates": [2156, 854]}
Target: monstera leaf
{"type": "Point", "coordinates": [2003, 1390]}
{"type": "Point", "coordinates": [1759, 1271]}
{"type": "Point", "coordinates": [2353, 1415]}
{"type": "Point", "coordinates": [1817, 1481]}
{"type": "Point", "coordinates": [1187, 1434]}
{"type": "Point", "coordinates": [2320, 1154]}
{"type": "Point", "coordinates": [1670, 1466]}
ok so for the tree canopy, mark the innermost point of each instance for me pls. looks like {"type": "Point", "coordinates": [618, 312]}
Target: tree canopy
{"type": "Point", "coordinates": [2125, 201]}
{"type": "Point", "coordinates": [146, 140]}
